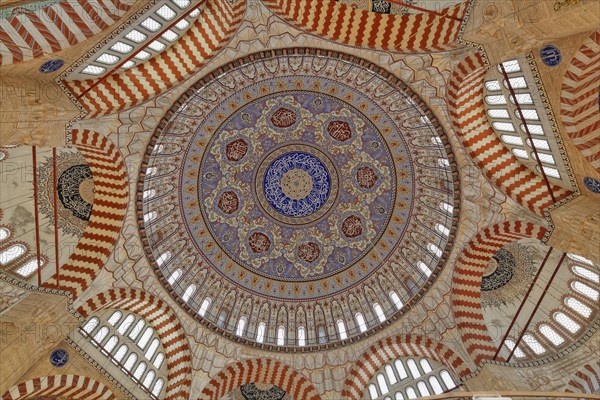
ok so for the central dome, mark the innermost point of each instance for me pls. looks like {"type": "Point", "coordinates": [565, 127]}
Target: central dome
{"type": "Point", "coordinates": [282, 189]}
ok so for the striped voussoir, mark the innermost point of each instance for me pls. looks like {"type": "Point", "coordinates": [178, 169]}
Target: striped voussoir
{"type": "Point", "coordinates": [60, 386]}
{"type": "Point", "coordinates": [421, 32]}
{"type": "Point", "coordinates": [466, 283]}
{"type": "Point", "coordinates": [586, 380]}
{"type": "Point", "coordinates": [213, 29]}
{"type": "Point", "coordinates": [106, 219]}
{"type": "Point", "coordinates": [387, 350]}
{"type": "Point", "coordinates": [30, 34]}
{"type": "Point", "coordinates": [167, 326]}
{"type": "Point", "coordinates": [260, 370]}
{"type": "Point", "coordinates": [579, 99]}
{"type": "Point", "coordinates": [467, 111]}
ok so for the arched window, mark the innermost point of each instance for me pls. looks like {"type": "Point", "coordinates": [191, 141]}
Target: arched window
{"type": "Point", "coordinates": [158, 387]}
{"type": "Point", "coordinates": [396, 300]}
{"type": "Point", "coordinates": [412, 366]}
{"type": "Point", "coordinates": [139, 371]}
{"type": "Point", "coordinates": [151, 216]}
{"type": "Point", "coordinates": [130, 361]}
{"type": "Point", "coordinates": [434, 249]}
{"type": "Point", "coordinates": [435, 385]}
{"type": "Point", "coordinates": [152, 349]}
{"type": "Point", "coordinates": [398, 396]}
{"type": "Point", "coordinates": [585, 290]}
{"type": "Point", "coordinates": [188, 292]}
{"type": "Point", "coordinates": [260, 332]}
{"type": "Point", "coordinates": [12, 253]}
{"type": "Point", "coordinates": [511, 345]}
{"type": "Point", "coordinates": [586, 273]}
{"type": "Point", "coordinates": [379, 312]}
{"type": "Point", "coordinates": [425, 366]}
{"type": "Point", "coordinates": [533, 344]}
{"type": "Point", "coordinates": [423, 267]}
{"type": "Point", "coordinates": [448, 381]}
{"type": "Point", "coordinates": [360, 321]}
{"type": "Point", "coordinates": [301, 336]}
{"type": "Point", "coordinates": [566, 322]}
{"type": "Point", "coordinates": [321, 334]}
{"type": "Point", "coordinates": [27, 269]}
{"type": "Point", "coordinates": [204, 307]}
{"type": "Point", "coordinates": [446, 207]}
{"type": "Point", "coordinates": [174, 276]}
{"type": "Point", "coordinates": [4, 233]}
{"type": "Point", "coordinates": [373, 391]}
{"type": "Point", "coordinates": [137, 329]}
{"type": "Point", "coordinates": [442, 229]}
{"type": "Point", "coordinates": [383, 387]}
{"type": "Point", "coordinates": [100, 335]}
{"type": "Point", "coordinates": [389, 371]}
{"type": "Point", "coordinates": [400, 369]}
{"type": "Point", "coordinates": [91, 325]}
{"type": "Point", "coordinates": [121, 353]}
{"type": "Point", "coordinates": [551, 335]}
{"type": "Point", "coordinates": [151, 171]}
{"type": "Point", "coordinates": [281, 335]}
{"type": "Point", "coordinates": [111, 343]}
{"type": "Point", "coordinates": [146, 336]}
{"type": "Point", "coordinates": [159, 360]}
{"type": "Point", "coordinates": [148, 379]}
{"type": "Point", "coordinates": [578, 306]}
{"type": "Point", "coordinates": [341, 326]}
{"type": "Point", "coordinates": [115, 317]}
{"type": "Point", "coordinates": [410, 392]}
{"type": "Point", "coordinates": [580, 259]}
{"type": "Point", "coordinates": [423, 389]}
{"type": "Point", "coordinates": [163, 258]}
{"type": "Point", "coordinates": [148, 194]}
{"type": "Point", "coordinates": [241, 326]}
{"type": "Point", "coordinates": [222, 318]}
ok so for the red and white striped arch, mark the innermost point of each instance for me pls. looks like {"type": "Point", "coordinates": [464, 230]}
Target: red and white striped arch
{"type": "Point", "coordinates": [123, 89]}
{"type": "Point", "coordinates": [262, 370]}
{"type": "Point", "coordinates": [387, 350]}
{"type": "Point", "coordinates": [60, 386]}
{"type": "Point", "coordinates": [167, 326]}
{"type": "Point", "coordinates": [421, 32]}
{"type": "Point", "coordinates": [579, 99]}
{"type": "Point", "coordinates": [466, 283]}
{"type": "Point", "coordinates": [30, 34]}
{"type": "Point", "coordinates": [467, 111]}
{"type": "Point", "coordinates": [586, 380]}
{"type": "Point", "coordinates": [106, 219]}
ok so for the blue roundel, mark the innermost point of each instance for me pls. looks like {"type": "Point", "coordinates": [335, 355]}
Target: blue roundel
{"type": "Point", "coordinates": [51, 66]}
{"type": "Point", "coordinates": [593, 185]}
{"type": "Point", "coordinates": [297, 184]}
{"type": "Point", "coordinates": [59, 357]}
{"type": "Point", "coordinates": [550, 55]}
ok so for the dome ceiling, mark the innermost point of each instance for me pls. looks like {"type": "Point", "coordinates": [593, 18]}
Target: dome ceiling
{"type": "Point", "coordinates": [297, 189]}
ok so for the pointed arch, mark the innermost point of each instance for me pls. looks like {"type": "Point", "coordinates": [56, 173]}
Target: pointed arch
{"type": "Point", "coordinates": [386, 350]}
{"type": "Point", "coordinates": [339, 22]}
{"type": "Point", "coordinates": [467, 112]}
{"type": "Point", "coordinates": [466, 282]}
{"type": "Point", "coordinates": [54, 386]}
{"type": "Point", "coordinates": [108, 212]}
{"type": "Point", "coordinates": [264, 370]}
{"type": "Point", "coordinates": [161, 317]}
{"type": "Point", "coordinates": [579, 99]}
{"type": "Point", "coordinates": [112, 93]}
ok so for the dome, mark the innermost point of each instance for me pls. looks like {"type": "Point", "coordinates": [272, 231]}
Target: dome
{"type": "Point", "coordinates": [298, 198]}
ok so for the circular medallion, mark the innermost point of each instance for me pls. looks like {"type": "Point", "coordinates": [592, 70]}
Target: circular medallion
{"type": "Point", "coordinates": [550, 55]}
{"type": "Point", "coordinates": [51, 66]}
{"type": "Point", "coordinates": [59, 358]}
{"type": "Point", "coordinates": [593, 185]}
{"type": "Point", "coordinates": [296, 182]}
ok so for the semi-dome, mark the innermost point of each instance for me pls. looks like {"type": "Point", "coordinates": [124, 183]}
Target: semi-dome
{"type": "Point", "coordinates": [298, 198]}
